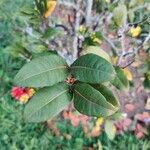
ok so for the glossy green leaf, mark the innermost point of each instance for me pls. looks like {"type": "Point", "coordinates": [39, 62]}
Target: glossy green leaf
{"type": "Point", "coordinates": [96, 50]}
{"type": "Point", "coordinates": [47, 103]}
{"type": "Point", "coordinates": [89, 101]}
{"type": "Point", "coordinates": [42, 71]}
{"type": "Point", "coordinates": [120, 82]}
{"type": "Point", "coordinates": [92, 68]}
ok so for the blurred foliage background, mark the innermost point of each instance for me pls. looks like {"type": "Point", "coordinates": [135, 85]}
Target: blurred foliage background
{"type": "Point", "coordinates": [16, 47]}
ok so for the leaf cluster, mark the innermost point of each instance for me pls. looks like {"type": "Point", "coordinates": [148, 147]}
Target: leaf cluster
{"type": "Point", "coordinates": [90, 96]}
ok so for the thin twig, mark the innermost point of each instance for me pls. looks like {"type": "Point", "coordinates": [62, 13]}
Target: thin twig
{"type": "Point", "coordinates": [69, 5]}
{"type": "Point", "coordinates": [76, 29]}
{"type": "Point", "coordinates": [88, 12]}
{"type": "Point", "coordinates": [111, 44]}
{"type": "Point", "coordinates": [63, 27]}
{"type": "Point", "coordinates": [122, 39]}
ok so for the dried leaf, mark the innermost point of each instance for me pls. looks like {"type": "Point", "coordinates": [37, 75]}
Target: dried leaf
{"type": "Point", "coordinates": [51, 4]}
{"type": "Point", "coordinates": [128, 74]}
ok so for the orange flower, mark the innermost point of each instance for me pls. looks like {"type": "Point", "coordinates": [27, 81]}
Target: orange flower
{"type": "Point", "coordinates": [22, 94]}
{"type": "Point", "coordinates": [30, 92]}
{"type": "Point", "coordinates": [95, 131]}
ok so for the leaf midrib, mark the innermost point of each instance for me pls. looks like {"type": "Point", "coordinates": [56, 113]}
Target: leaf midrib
{"type": "Point", "coordinates": [33, 75]}
{"type": "Point", "coordinates": [78, 67]}
{"type": "Point", "coordinates": [119, 80]}
{"type": "Point", "coordinates": [48, 102]}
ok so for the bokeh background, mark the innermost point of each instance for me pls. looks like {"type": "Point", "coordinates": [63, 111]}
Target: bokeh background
{"type": "Point", "coordinates": [20, 40]}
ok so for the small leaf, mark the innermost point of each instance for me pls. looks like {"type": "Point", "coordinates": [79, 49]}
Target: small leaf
{"type": "Point", "coordinates": [120, 15]}
{"type": "Point", "coordinates": [47, 103]}
{"type": "Point", "coordinates": [92, 69]}
{"type": "Point", "coordinates": [42, 71]}
{"type": "Point", "coordinates": [98, 51]}
{"type": "Point", "coordinates": [110, 129]}
{"type": "Point", "coordinates": [35, 48]}
{"type": "Point", "coordinates": [147, 107]}
{"type": "Point", "coordinates": [134, 3]}
{"type": "Point", "coordinates": [50, 32]}
{"type": "Point", "coordinates": [146, 43]}
{"type": "Point", "coordinates": [91, 102]}
{"type": "Point", "coordinates": [117, 116]}
{"type": "Point", "coordinates": [100, 146]}
{"type": "Point", "coordinates": [131, 15]}
{"type": "Point", "coordinates": [128, 74]}
{"type": "Point", "coordinates": [120, 81]}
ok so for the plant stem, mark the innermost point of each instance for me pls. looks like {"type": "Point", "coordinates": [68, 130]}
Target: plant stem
{"type": "Point", "coordinates": [76, 29]}
{"type": "Point", "coordinates": [88, 12]}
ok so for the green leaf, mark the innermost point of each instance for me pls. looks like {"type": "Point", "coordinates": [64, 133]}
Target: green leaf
{"type": "Point", "coordinates": [120, 82]}
{"type": "Point", "coordinates": [117, 116]}
{"type": "Point", "coordinates": [50, 32]}
{"type": "Point", "coordinates": [146, 43]}
{"type": "Point", "coordinates": [108, 94]}
{"type": "Point", "coordinates": [134, 3]}
{"type": "Point", "coordinates": [100, 146]}
{"type": "Point", "coordinates": [98, 51]}
{"type": "Point", "coordinates": [47, 103]}
{"type": "Point", "coordinates": [131, 15]}
{"type": "Point", "coordinates": [92, 69]}
{"type": "Point", "coordinates": [42, 71]}
{"type": "Point", "coordinates": [120, 15]}
{"type": "Point", "coordinates": [36, 48]}
{"type": "Point", "coordinates": [110, 129]}
{"type": "Point", "coordinates": [147, 81]}
{"type": "Point", "coordinates": [89, 101]}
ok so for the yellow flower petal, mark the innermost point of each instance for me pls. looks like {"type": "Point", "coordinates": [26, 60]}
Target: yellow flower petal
{"type": "Point", "coordinates": [97, 40]}
{"type": "Point", "coordinates": [82, 29]}
{"type": "Point", "coordinates": [31, 92]}
{"type": "Point", "coordinates": [50, 8]}
{"type": "Point", "coordinates": [114, 60]}
{"type": "Point", "coordinates": [114, 129]}
{"type": "Point", "coordinates": [96, 128]}
{"type": "Point", "coordinates": [128, 74]}
{"type": "Point", "coordinates": [99, 121]}
{"type": "Point", "coordinates": [24, 98]}
{"type": "Point", "coordinates": [135, 31]}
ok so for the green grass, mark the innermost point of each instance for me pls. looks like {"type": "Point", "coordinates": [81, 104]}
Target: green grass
{"type": "Point", "coordinates": [15, 134]}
